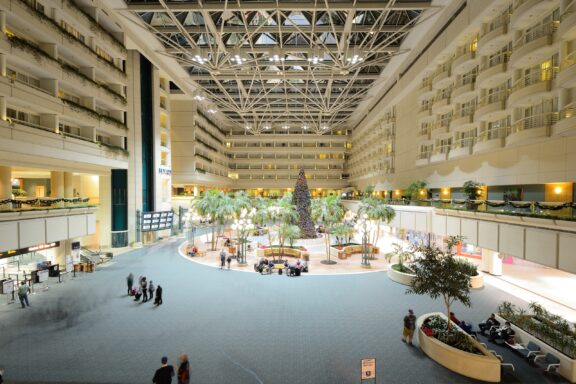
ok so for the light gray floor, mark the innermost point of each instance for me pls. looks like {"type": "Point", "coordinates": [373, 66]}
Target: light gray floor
{"type": "Point", "coordinates": [236, 327]}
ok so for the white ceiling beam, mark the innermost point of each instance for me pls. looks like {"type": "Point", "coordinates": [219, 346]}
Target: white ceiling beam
{"type": "Point", "coordinates": [285, 29]}
{"type": "Point", "coordinates": [277, 5]}
{"type": "Point", "coordinates": [297, 75]}
{"type": "Point", "coordinates": [285, 49]}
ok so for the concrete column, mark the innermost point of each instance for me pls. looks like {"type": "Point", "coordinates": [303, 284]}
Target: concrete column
{"type": "Point", "coordinates": [491, 262]}
{"type": "Point", "coordinates": [68, 185]}
{"type": "Point", "coordinates": [50, 85]}
{"type": "Point", "coordinates": [3, 108]}
{"type": "Point", "coordinates": [5, 182]}
{"type": "Point", "coordinates": [88, 72]}
{"type": "Point", "coordinates": [2, 65]}
{"type": "Point", "coordinates": [2, 21]}
{"type": "Point", "coordinates": [56, 184]}
{"type": "Point", "coordinates": [50, 49]}
{"type": "Point", "coordinates": [104, 212]}
{"type": "Point", "coordinates": [50, 121]}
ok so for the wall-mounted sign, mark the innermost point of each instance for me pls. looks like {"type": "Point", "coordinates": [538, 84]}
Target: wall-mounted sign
{"type": "Point", "coordinates": [165, 171]}
{"type": "Point", "coordinates": [156, 221]}
{"type": "Point", "coordinates": [21, 251]}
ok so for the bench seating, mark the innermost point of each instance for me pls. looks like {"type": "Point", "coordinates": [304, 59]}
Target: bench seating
{"type": "Point", "coordinates": [351, 249]}
{"type": "Point", "coordinates": [275, 251]}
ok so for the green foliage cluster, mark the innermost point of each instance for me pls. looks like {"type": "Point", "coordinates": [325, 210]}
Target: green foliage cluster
{"type": "Point", "coordinates": [451, 336]}
{"type": "Point", "coordinates": [548, 327]}
{"type": "Point", "coordinates": [470, 189]}
{"type": "Point", "coordinates": [413, 190]}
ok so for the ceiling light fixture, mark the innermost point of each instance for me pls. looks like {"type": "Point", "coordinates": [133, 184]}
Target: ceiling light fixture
{"type": "Point", "coordinates": [316, 56]}
{"type": "Point", "coordinates": [248, 127]}
{"type": "Point", "coordinates": [305, 127]}
{"type": "Point", "coordinates": [199, 57]}
{"type": "Point", "coordinates": [237, 57]}
{"type": "Point", "coordinates": [198, 95]}
{"type": "Point", "coordinates": [285, 126]}
{"type": "Point", "coordinates": [212, 108]}
{"type": "Point", "coordinates": [276, 56]}
{"type": "Point", "coordinates": [266, 127]}
{"type": "Point", "coordinates": [354, 56]}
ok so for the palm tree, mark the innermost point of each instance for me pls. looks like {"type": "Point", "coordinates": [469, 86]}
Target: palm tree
{"type": "Point", "coordinates": [329, 211]}
{"type": "Point", "coordinates": [207, 206]}
{"type": "Point", "coordinates": [288, 232]}
{"type": "Point", "coordinates": [377, 211]}
{"type": "Point", "coordinates": [342, 231]}
{"type": "Point", "coordinates": [241, 201]}
{"type": "Point", "coordinates": [226, 210]}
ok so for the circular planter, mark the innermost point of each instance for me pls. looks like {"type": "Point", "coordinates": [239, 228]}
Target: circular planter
{"type": "Point", "coordinates": [400, 277]}
{"type": "Point", "coordinates": [477, 281]}
{"type": "Point", "coordinates": [484, 367]}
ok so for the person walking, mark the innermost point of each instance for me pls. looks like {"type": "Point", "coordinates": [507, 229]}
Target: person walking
{"type": "Point", "coordinates": [228, 261]}
{"type": "Point", "coordinates": [222, 258]}
{"type": "Point", "coordinates": [158, 300]}
{"type": "Point", "coordinates": [151, 290]}
{"type": "Point", "coordinates": [184, 370]}
{"type": "Point", "coordinates": [130, 282]}
{"type": "Point", "coordinates": [144, 287]}
{"type": "Point", "coordinates": [23, 291]}
{"type": "Point", "coordinates": [409, 326]}
{"type": "Point", "coordinates": [164, 374]}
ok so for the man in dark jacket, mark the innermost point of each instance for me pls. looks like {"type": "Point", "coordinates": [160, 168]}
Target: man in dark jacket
{"type": "Point", "coordinates": [164, 374]}
{"type": "Point", "coordinates": [158, 300]}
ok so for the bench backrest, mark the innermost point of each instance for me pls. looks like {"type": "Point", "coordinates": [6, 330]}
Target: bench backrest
{"type": "Point", "coordinates": [533, 346]}
{"type": "Point", "coordinates": [551, 359]}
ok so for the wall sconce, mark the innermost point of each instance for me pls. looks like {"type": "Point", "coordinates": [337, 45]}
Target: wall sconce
{"type": "Point", "coordinates": [445, 191]}
{"type": "Point", "coordinates": [558, 190]}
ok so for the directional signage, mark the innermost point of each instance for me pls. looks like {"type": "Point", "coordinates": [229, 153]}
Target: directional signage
{"type": "Point", "coordinates": [156, 221]}
{"type": "Point", "coordinates": [368, 368]}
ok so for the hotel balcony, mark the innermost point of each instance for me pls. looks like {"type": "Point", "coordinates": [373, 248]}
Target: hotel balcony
{"type": "Point", "coordinates": [440, 154]}
{"type": "Point", "coordinates": [493, 72]}
{"type": "Point", "coordinates": [423, 159]}
{"type": "Point", "coordinates": [424, 113]}
{"type": "Point", "coordinates": [443, 77]}
{"type": "Point", "coordinates": [423, 134]}
{"type": "Point", "coordinates": [567, 27]}
{"type": "Point", "coordinates": [441, 105]}
{"type": "Point", "coordinates": [534, 47]}
{"type": "Point", "coordinates": [465, 62]}
{"type": "Point", "coordinates": [440, 129]}
{"type": "Point", "coordinates": [531, 129]}
{"type": "Point", "coordinates": [463, 92]}
{"type": "Point", "coordinates": [425, 89]}
{"type": "Point", "coordinates": [566, 126]}
{"type": "Point", "coordinates": [491, 107]}
{"type": "Point", "coordinates": [530, 89]}
{"type": "Point", "coordinates": [460, 122]}
{"type": "Point", "coordinates": [526, 11]}
{"type": "Point", "coordinates": [461, 148]}
{"type": "Point", "coordinates": [494, 39]}
{"type": "Point", "coordinates": [489, 140]}
{"type": "Point", "coordinates": [567, 75]}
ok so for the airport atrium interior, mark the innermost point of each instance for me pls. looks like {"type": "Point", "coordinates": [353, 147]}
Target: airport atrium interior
{"type": "Point", "coordinates": [287, 191]}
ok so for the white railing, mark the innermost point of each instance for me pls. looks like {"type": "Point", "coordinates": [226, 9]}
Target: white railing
{"type": "Point", "coordinates": [535, 77]}
{"type": "Point", "coordinates": [498, 59]}
{"type": "Point", "coordinates": [492, 134]}
{"type": "Point", "coordinates": [467, 142]}
{"type": "Point", "coordinates": [442, 149]}
{"type": "Point", "coordinates": [424, 155]}
{"type": "Point", "coordinates": [535, 121]}
{"type": "Point", "coordinates": [569, 9]}
{"type": "Point", "coordinates": [568, 61]}
{"type": "Point", "coordinates": [569, 111]}
{"type": "Point", "coordinates": [495, 97]}
{"type": "Point", "coordinates": [536, 33]}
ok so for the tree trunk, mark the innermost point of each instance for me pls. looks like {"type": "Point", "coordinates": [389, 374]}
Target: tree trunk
{"type": "Point", "coordinates": [448, 314]}
{"type": "Point", "coordinates": [213, 233]}
{"type": "Point", "coordinates": [327, 245]}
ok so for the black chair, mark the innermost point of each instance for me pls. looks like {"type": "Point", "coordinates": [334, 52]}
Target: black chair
{"type": "Point", "coordinates": [529, 351]}
{"type": "Point", "coordinates": [548, 362]}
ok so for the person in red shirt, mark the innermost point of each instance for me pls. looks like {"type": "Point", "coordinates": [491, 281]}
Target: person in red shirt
{"type": "Point", "coordinates": [454, 318]}
{"type": "Point", "coordinates": [426, 328]}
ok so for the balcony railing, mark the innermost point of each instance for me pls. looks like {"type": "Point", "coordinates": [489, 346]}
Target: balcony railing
{"type": "Point", "coordinates": [43, 203]}
{"type": "Point", "coordinates": [536, 33]}
{"type": "Point", "coordinates": [568, 112]}
{"type": "Point", "coordinates": [498, 59]}
{"type": "Point", "coordinates": [492, 134]}
{"type": "Point", "coordinates": [535, 77]}
{"type": "Point", "coordinates": [500, 21]}
{"type": "Point", "coordinates": [424, 155]}
{"type": "Point", "coordinates": [536, 121]}
{"type": "Point", "coordinates": [441, 149]}
{"type": "Point", "coordinates": [568, 61]}
{"type": "Point", "coordinates": [463, 143]}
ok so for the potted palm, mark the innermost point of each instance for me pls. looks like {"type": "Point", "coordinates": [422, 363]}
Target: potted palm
{"type": "Point", "coordinates": [416, 190]}
{"type": "Point", "coordinates": [378, 212]}
{"type": "Point", "coordinates": [400, 272]}
{"type": "Point", "coordinates": [329, 211]}
{"type": "Point", "coordinates": [471, 189]}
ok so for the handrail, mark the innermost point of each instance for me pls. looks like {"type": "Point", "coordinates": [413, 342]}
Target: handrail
{"type": "Point", "coordinates": [491, 134]}
{"type": "Point", "coordinates": [568, 61]}
{"type": "Point", "coordinates": [442, 149]}
{"type": "Point", "coordinates": [535, 121]}
{"type": "Point", "coordinates": [495, 97]}
{"type": "Point", "coordinates": [536, 33]}
{"type": "Point", "coordinates": [568, 111]}
{"type": "Point", "coordinates": [467, 142]}
{"type": "Point", "coordinates": [492, 61]}
{"type": "Point", "coordinates": [535, 77]}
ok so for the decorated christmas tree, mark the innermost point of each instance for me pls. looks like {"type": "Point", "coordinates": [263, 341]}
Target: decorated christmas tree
{"type": "Point", "coordinates": [301, 199]}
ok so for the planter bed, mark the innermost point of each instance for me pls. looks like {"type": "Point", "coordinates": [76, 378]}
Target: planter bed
{"type": "Point", "coordinates": [400, 277]}
{"type": "Point", "coordinates": [350, 249]}
{"type": "Point", "coordinates": [484, 366]}
{"type": "Point", "coordinates": [275, 251]}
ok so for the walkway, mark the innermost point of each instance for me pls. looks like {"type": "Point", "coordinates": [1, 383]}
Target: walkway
{"type": "Point", "coordinates": [237, 327]}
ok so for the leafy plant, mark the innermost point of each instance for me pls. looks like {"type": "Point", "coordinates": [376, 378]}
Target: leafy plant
{"type": "Point", "coordinates": [377, 210]}
{"type": "Point", "coordinates": [438, 274]}
{"type": "Point", "coordinates": [413, 190]}
{"type": "Point", "coordinates": [471, 188]}
{"type": "Point", "coordinates": [329, 211]}
{"type": "Point", "coordinates": [402, 255]}
{"type": "Point", "coordinates": [469, 268]}
{"type": "Point", "coordinates": [342, 231]}
{"type": "Point", "coordinates": [452, 337]}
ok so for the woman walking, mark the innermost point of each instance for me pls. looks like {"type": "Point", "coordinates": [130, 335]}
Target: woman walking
{"type": "Point", "coordinates": [184, 370]}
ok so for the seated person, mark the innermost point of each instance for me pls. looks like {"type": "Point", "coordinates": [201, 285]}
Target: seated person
{"type": "Point", "coordinates": [467, 327]}
{"type": "Point", "coordinates": [193, 251]}
{"type": "Point", "coordinates": [454, 318]}
{"type": "Point", "coordinates": [426, 328]}
{"type": "Point", "coordinates": [502, 333]}
{"type": "Point", "coordinates": [489, 323]}
{"type": "Point", "coordinates": [227, 242]}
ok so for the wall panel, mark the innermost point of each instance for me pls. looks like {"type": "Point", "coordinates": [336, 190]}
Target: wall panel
{"type": "Point", "coordinates": [511, 240]}
{"type": "Point", "coordinates": [56, 228]}
{"type": "Point", "coordinates": [469, 230]}
{"type": "Point", "coordinates": [452, 226]}
{"type": "Point", "coordinates": [77, 226]}
{"type": "Point", "coordinates": [488, 235]}
{"type": "Point", "coordinates": [8, 236]}
{"type": "Point", "coordinates": [567, 252]}
{"type": "Point", "coordinates": [32, 232]}
{"type": "Point", "coordinates": [541, 246]}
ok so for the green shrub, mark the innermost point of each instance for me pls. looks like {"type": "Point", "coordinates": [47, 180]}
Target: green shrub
{"type": "Point", "coordinates": [453, 337]}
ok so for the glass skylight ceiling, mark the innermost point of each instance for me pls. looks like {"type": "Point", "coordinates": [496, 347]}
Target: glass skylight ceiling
{"type": "Point", "coordinates": [268, 64]}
